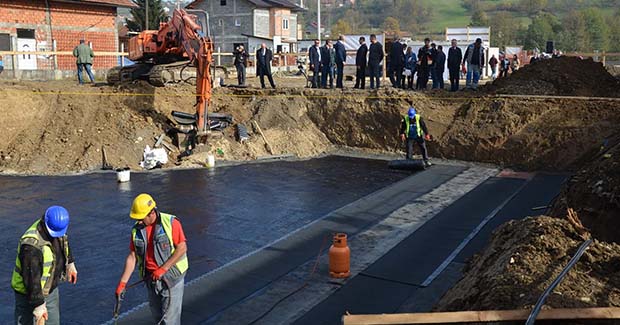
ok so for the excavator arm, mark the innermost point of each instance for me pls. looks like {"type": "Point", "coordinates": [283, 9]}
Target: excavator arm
{"type": "Point", "coordinates": [183, 31]}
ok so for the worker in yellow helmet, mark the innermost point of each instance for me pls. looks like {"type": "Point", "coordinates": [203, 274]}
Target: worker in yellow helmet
{"type": "Point", "coordinates": [159, 249]}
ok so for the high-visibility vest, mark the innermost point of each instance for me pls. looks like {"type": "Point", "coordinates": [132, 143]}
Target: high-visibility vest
{"type": "Point", "coordinates": [417, 126]}
{"type": "Point", "coordinates": [163, 246]}
{"type": "Point", "coordinates": [33, 238]}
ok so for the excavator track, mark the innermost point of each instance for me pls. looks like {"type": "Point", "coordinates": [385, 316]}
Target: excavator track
{"type": "Point", "coordinates": [171, 73]}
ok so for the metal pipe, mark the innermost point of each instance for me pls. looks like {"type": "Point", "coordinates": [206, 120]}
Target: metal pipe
{"type": "Point", "coordinates": [532, 318]}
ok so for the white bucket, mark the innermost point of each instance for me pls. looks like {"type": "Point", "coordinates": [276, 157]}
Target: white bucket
{"type": "Point", "coordinates": [123, 175]}
{"type": "Point", "coordinates": [210, 161]}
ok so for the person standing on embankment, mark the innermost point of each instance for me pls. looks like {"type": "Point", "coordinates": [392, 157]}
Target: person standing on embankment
{"type": "Point", "coordinates": [158, 247]}
{"type": "Point", "coordinates": [43, 260]}
{"type": "Point", "coordinates": [84, 55]}
{"type": "Point", "coordinates": [413, 130]}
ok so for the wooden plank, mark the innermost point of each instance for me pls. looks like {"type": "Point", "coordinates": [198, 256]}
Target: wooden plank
{"type": "Point", "coordinates": [557, 97]}
{"type": "Point", "coordinates": [264, 138]}
{"type": "Point", "coordinates": [482, 316]}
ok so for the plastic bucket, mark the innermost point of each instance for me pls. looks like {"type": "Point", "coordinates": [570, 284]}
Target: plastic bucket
{"type": "Point", "coordinates": [210, 161]}
{"type": "Point", "coordinates": [123, 175]}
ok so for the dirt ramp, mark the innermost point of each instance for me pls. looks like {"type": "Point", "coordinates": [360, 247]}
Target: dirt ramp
{"type": "Point", "coordinates": [566, 76]}
{"type": "Point", "coordinates": [522, 260]}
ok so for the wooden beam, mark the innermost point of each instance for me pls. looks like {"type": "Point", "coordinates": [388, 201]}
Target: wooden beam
{"type": "Point", "coordinates": [481, 316]}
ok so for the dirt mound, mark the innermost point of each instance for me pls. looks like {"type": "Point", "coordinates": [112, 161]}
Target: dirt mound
{"type": "Point", "coordinates": [522, 260]}
{"type": "Point", "coordinates": [594, 192]}
{"type": "Point", "coordinates": [565, 76]}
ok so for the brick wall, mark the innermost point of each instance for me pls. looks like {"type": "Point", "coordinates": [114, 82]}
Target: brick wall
{"type": "Point", "coordinates": [69, 23]}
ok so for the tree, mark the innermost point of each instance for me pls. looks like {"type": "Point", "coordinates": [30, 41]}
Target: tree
{"type": "Point", "coordinates": [533, 7]}
{"type": "Point", "coordinates": [596, 28]}
{"type": "Point", "coordinates": [574, 36]}
{"type": "Point", "coordinates": [391, 25]}
{"type": "Point", "coordinates": [544, 27]}
{"type": "Point", "coordinates": [156, 15]}
{"type": "Point", "coordinates": [341, 27]}
{"type": "Point", "coordinates": [504, 29]}
{"type": "Point", "coordinates": [479, 18]}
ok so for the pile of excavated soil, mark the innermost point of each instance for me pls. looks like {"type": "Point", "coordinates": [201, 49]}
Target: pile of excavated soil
{"type": "Point", "coordinates": [594, 192]}
{"type": "Point", "coordinates": [522, 260]}
{"type": "Point", "coordinates": [57, 127]}
{"type": "Point", "coordinates": [566, 76]}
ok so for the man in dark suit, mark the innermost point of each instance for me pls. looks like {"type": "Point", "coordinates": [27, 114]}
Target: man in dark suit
{"type": "Point", "coordinates": [341, 58]}
{"type": "Point", "coordinates": [264, 56]}
{"type": "Point", "coordinates": [397, 62]}
{"type": "Point", "coordinates": [455, 56]}
{"type": "Point", "coordinates": [327, 68]}
{"type": "Point", "coordinates": [375, 56]}
{"type": "Point", "coordinates": [360, 64]}
{"type": "Point", "coordinates": [440, 65]}
{"type": "Point", "coordinates": [425, 61]}
{"type": "Point", "coordinates": [315, 62]}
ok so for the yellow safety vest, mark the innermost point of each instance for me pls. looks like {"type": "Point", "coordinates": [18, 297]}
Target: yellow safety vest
{"type": "Point", "coordinates": [33, 238]}
{"type": "Point", "coordinates": [417, 126]}
{"type": "Point", "coordinates": [164, 248]}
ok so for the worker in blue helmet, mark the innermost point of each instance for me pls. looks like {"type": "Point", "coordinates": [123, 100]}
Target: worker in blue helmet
{"type": "Point", "coordinates": [43, 260]}
{"type": "Point", "coordinates": [413, 130]}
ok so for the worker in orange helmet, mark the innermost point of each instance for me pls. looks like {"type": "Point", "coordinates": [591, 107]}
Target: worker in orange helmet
{"type": "Point", "coordinates": [159, 249]}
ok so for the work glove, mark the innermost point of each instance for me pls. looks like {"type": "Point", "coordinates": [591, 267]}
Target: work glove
{"type": "Point", "coordinates": [72, 273]}
{"type": "Point", "coordinates": [427, 137]}
{"type": "Point", "coordinates": [403, 137]}
{"type": "Point", "coordinates": [40, 314]}
{"type": "Point", "coordinates": [120, 289]}
{"type": "Point", "coordinates": [158, 274]}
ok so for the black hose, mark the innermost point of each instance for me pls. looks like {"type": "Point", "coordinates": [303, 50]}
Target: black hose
{"type": "Point", "coordinates": [532, 318]}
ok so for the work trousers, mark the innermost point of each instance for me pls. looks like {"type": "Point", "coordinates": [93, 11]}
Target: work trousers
{"type": "Point", "coordinates": [421, 144]}
{"type": "Point", "coordinates": [473, 72]}
{"type": "Point", "coordinates": [85, 66]}
{"type": "Point", "coordinates": [375, 75]}
{"type": "Point", "coordinates": [262, 79]}
{"type": "Point", "coordinates": [396, 75]}
{"type": "Point", "coordinates": [339, 75]}
{"type": "Point", "coordinates": [240, 74]}
{"type": "Point", "coordinates": [455, 76]}
{"type": "Point", "coordinates": [327, 71]}
{"type": "Point", "coordinates": [23, 309]}
{"type": "Point", "coordinates": [422, 77]}
{"type": "Point", "coordinates": [360, 77]}
{"type": "Point", "coordinates": [165, 302]}
{"type": "Point", "coordinates": [316, 75]}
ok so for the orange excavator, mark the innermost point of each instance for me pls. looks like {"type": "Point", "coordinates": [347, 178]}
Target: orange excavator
{"type": "Point", "coordinates": [179, 51]}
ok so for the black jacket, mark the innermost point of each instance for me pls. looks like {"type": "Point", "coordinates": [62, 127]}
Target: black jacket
{"type": "Point", "coordinates": [314, 57]}
{"type": "Point", "coordinates": [397, 55]}
{"type": "Point", "coordinates": [31, 260]}
{"type": "Point", "coordinates": [360, 57]}
{"type": "Point", "coordinates": [241, 58]}
{"type": "Point", "coordinates": [403, 126]}
{"type": "Point", "coordinates": [341, 53]}
{"type": "Point", "coordinates": [455, 56]}
{"type": "Point", "coordinates": [376, 54]}
{"type": "Point", "coordinates": [424, 53]}
{"type": "Point", "coordinates": [440, 61]}
{"type": "Point", "coordinates": [325, 56]}
{"type": "Point", "coordinates": [263, 62]}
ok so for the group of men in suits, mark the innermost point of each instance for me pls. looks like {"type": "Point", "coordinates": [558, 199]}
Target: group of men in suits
{"type": "Point", "coordinates": [325, 59]}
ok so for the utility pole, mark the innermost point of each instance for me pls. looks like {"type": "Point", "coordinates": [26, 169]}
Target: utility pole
{"type": "Point", "coordinates": [146, 22]}
{"type": "Point", "coordinates": [318, 24]}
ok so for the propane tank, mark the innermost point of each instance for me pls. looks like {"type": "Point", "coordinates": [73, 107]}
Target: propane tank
{"type": "Point", "coordinates": [339, 257]}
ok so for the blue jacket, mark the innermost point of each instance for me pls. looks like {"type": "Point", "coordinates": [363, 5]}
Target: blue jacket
{"type": "Point", "coordinates": [410, 61]}
{"type": "Point", "coordinates": [341, 53]}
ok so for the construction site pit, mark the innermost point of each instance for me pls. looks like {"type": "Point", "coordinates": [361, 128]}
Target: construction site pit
{"type": "Point", "coordinates": [484, 228]}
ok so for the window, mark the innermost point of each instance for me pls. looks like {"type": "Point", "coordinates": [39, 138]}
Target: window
{"type": "Point", "coordinates": [284, 23]}
{"type": "Point", "coordinates": [222, 2]}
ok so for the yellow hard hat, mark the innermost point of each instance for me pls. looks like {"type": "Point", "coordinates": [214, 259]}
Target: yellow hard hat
{"type": "Point", "coordinates": [142, 206]}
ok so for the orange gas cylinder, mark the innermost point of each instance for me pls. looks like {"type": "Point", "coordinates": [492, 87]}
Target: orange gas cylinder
{"type": "Point", "coordinates": [339, 257]}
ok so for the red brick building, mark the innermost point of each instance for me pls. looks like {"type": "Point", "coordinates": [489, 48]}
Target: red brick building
{"type": "Point", "coordinates": [28, 25]}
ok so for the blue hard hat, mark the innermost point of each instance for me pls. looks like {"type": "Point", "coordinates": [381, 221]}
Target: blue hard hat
{"type": "Point", "coordinates": [411, 112]}
{"type": "Point", "coordinates": [56, 220]}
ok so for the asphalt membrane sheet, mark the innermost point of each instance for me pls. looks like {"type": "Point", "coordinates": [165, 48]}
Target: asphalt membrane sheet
{"type": "Point", "coordinates": [226, 213]}
{"type": "Point", "coordinates": [396, 278]}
